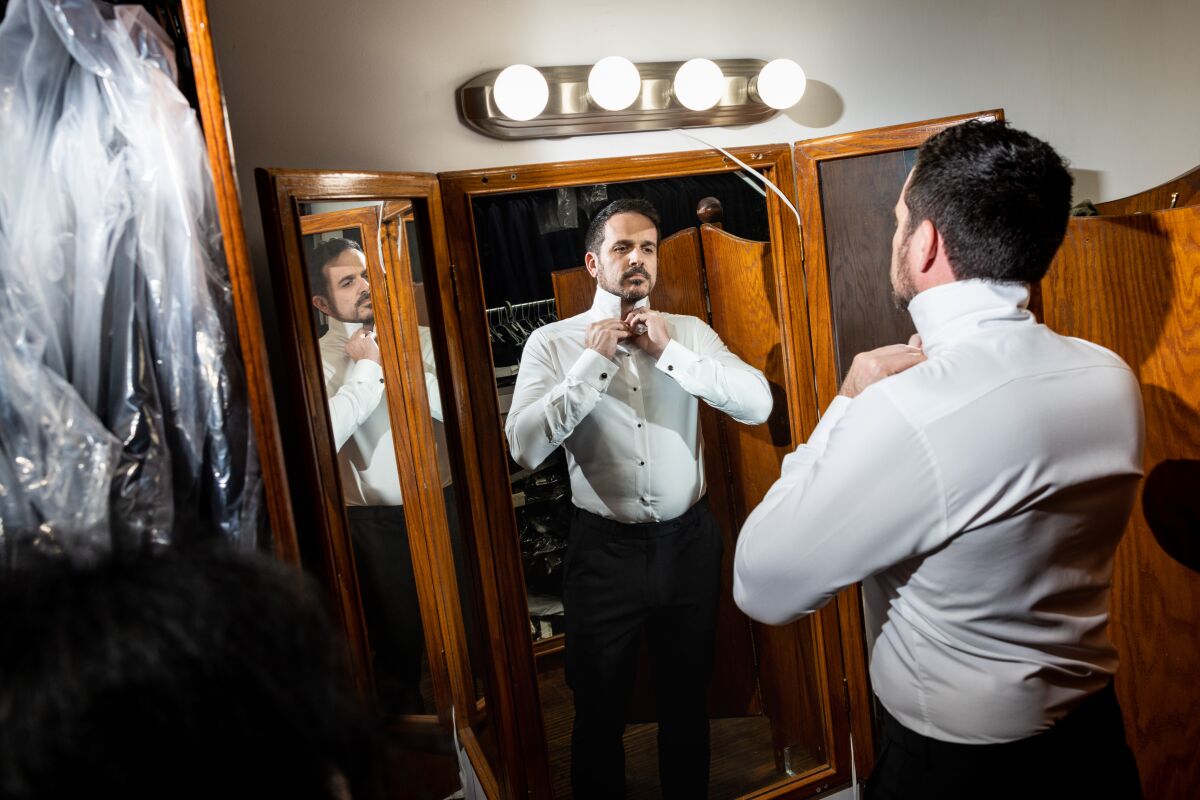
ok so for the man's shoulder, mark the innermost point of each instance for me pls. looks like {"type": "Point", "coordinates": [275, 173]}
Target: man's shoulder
{"type": "Point", "coordinates": [563, 327]}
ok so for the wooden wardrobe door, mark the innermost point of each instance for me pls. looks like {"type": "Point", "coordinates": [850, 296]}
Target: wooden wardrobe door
{"type": "Point", "coordinates": [847, 189]}
{"type": "Point", "coordinates": [742, 294]}
{"type": "Point", "coordinates": [1130, 283]}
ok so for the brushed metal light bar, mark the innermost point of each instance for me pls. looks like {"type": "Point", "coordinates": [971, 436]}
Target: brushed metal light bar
{"type": "Point", "coordinates": [570, 112]}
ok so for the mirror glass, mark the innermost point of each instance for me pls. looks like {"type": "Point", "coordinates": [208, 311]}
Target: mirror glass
{"type": "Point", "coordinates": [764, 701]}
{"type": "Point", "coordinates": [343, 244]}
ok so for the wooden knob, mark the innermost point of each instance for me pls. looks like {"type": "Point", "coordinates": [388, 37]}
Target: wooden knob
{"type": "Point", "coordinates": [709, 210]}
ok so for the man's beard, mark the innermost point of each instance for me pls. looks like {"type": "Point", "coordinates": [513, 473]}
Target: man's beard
{"type": "Point", "coordinates": [632, 293]}
{"type": "Point", "coordinates": [903, 287]}
{"type": "Point", "coordinates": [369, 319]}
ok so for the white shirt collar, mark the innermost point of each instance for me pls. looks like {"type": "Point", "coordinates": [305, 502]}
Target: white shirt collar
{"type": "Point", "coordinates": [951, 309]}
{"type": "Point", "coordinates": [607, 305]}
{"type": "Point", "coordinates": [341, 330]}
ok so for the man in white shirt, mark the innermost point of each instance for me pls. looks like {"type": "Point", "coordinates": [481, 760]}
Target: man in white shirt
{"type": "Point", "coordinates": [362, 436]}
{"type": "Point", "coordinates": [617, 386]}
{"type": "Point", "coordinates": [977, 480]}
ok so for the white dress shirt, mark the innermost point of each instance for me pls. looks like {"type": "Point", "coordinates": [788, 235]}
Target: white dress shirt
{"type": "Point", "coordinates": [631, 425]}
{"type": "Point", "coordinates": [985, 489]}
{"type": "Point", "coordinates": [358, 411]}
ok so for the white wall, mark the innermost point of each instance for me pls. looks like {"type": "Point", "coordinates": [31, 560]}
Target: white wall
{"type": "Point", "coordinates": [370, 84]}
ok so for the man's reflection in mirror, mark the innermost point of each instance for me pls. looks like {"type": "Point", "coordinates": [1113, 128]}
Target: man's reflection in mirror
{"type": "Point", "coordinates": [362, 435]}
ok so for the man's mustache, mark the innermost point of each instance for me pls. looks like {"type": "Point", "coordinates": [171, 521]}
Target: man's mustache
{"type": "Point", "coordinates": [636, 271]}
{"type": "Point", "coordinates": [366, 298]}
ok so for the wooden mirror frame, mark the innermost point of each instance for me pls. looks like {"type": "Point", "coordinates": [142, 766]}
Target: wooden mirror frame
{"type": "Point", "coordinates": [498, 521]}
{"type": "Point", "coordinates": [210, 107]}
{"type": "Point", "coordinates": [315, 472]}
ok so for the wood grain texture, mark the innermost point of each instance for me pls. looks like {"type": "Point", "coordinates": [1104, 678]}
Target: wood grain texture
{"type": "Point", "coordinates": [574, 290]}
{"type": "Point", "coordinates": [1131, 284]}
{"type": "Point", "coordinates": [742, 293]}
{"type": "Point", "coordinates": [1185, 190]}
{"type": "Point", "coordinates": [808, 285]}
{"type": "Point", "coordinates": [261, 394]}
{"type": "Point", "coordinates": [858, 196]}
{"type": "Point", "coordinates": [458, 189]}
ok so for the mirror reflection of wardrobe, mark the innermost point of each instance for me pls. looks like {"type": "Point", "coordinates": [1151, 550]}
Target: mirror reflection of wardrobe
{"type": "Point", "coordinates": [784, 700]}
{"type": "Point", "coordinates": [777, 701]}
{"type": "Point", "coordinates": [529, 244]}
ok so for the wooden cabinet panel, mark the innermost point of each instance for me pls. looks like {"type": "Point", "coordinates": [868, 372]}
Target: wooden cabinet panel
{"type": "Point", "coordinates": [1131, 283]}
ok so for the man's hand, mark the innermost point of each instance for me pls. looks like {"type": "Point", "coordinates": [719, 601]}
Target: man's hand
{"type": "Point", "coordinates": [603, 336]}
{"type": "Point", "coordinates": [648, 331]}
{"type": "Point", "coordinates": [362, 345]}
{"type": "Point", "coordinates": [878, 364]}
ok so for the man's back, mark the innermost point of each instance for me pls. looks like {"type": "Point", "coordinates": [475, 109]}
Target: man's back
{"type": "Point", "coordinates": [1026, 446]}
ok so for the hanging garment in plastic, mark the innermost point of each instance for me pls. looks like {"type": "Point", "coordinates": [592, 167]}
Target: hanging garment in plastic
{"type": "Point", "coordinates": [123, 416]}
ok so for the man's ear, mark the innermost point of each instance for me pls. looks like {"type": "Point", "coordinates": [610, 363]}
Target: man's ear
{"type": "Point", "coordinates": [591, 262]}
{"type": "Point", "coordinates": [924, 245]}
{"type": "Point", "coordinates": [321, 304]}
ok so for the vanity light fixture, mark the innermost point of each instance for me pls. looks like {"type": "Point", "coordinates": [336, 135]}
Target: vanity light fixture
{"type": "Point", "coordinates": [615, 95]}
{"type": "Point", "coordinates": [699, 84]}
{"type": "Point", "coordinates": [614, 83]}
{"type": "Point", "coordinates": [780, 84]}
{"type": "Point", "coordinates": [520, 92]}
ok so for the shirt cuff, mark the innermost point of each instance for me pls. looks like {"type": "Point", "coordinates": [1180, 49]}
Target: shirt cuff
{"type": "Point", "coordinates": [594, 370]}
{"type": "Point", "coordinates": [676, 359]}
{"type": "Point", "coordinates": [365, 370]}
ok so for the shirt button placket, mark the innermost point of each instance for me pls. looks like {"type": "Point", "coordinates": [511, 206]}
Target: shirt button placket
{"type": "Point", "coordinates": [641, 448]}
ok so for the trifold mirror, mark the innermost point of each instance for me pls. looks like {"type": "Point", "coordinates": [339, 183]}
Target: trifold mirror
{"type": "Point", "coordinates": [405, 302]}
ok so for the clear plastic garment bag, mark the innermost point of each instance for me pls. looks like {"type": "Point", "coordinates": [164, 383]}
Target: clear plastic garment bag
{"type": "Point", "coordinates": [123, 418]}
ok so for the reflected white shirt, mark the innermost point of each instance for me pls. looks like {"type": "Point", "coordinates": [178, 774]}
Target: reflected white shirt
{"type": "Point", "coordinates": [985, 490]}
{"type": "Point", "coordinates": [630, 426]}
{"type": "Point", "coordinates": [362, 430]}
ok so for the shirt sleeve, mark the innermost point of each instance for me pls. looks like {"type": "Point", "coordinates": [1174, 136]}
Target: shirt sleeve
{"type": "Point", "coordinates": [711, 371]}
{"type": "Point", "coordinates": [545, 409]}
{"type": "Point", "coordinates": [355, 400]}
{"type": "Point", "coordinates": [864, 493]}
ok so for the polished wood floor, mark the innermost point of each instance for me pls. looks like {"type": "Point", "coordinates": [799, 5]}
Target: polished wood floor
{"type": "Point", "coordinates": [742, 756]}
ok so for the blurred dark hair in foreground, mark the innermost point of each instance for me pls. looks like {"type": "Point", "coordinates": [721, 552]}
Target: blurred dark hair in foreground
{"type": "Point", "coordinates": [198, 674]}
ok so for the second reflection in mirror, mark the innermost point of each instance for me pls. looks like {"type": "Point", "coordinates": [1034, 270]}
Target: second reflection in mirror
{"type": "Point", "coordinates": [340, 239]}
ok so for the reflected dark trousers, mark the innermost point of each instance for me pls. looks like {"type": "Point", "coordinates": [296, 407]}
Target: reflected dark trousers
{"type": "Point", "coordinates": [388, 591]}
{"type": "Point", "coordinates": [622, 579]}
{"type": "Point", "coordinates": [1083, 755]}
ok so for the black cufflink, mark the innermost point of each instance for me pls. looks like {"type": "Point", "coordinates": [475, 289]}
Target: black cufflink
{"type": "Point", "coordinates": [603, 376]}
{"type": "Point", "coordinates": [670, 367]}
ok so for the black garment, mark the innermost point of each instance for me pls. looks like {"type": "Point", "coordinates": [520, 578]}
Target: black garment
{"type": "Point", "coordinates": [1083, 755]}
{"type": "Point", "coordinates": [388, 590]}
{"type": "Point", "coordinates": [621, 579]}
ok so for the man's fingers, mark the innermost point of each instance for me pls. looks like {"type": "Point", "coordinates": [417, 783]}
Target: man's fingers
{"type": "Point", "coordinates": [915, 341]}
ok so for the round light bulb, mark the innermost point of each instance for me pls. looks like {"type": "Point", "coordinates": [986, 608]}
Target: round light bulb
{"type": "Point", "coordinates": [614, 83]}
{"type": "Point", "coordinates": [781, 83]}
{"type": "Point", "coordinates": [699, 84]}
{"type": "Point", "coordinates": [520, 92]}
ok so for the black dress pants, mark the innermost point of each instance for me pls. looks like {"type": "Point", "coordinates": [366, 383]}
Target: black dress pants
{"type": "Point", "coordinates": [388, 590]}
{"type": "Point", "coordinates": [1083, 755]}
{"type": "Point", "coordinates": [620, 580]}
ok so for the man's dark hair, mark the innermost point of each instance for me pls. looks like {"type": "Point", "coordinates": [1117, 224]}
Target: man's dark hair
{"type": "Point", "coordinates": [595, 232]}
{"type": "Point", "coordinates": [321, 255]}
{"type": "Point", "coordinates": [202, 675]}
{"type": "Point", "coordinates": [998, 196]}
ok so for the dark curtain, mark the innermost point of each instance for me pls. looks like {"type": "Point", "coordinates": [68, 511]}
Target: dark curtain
{"type": "Point", "coordinates": [525, 236]}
